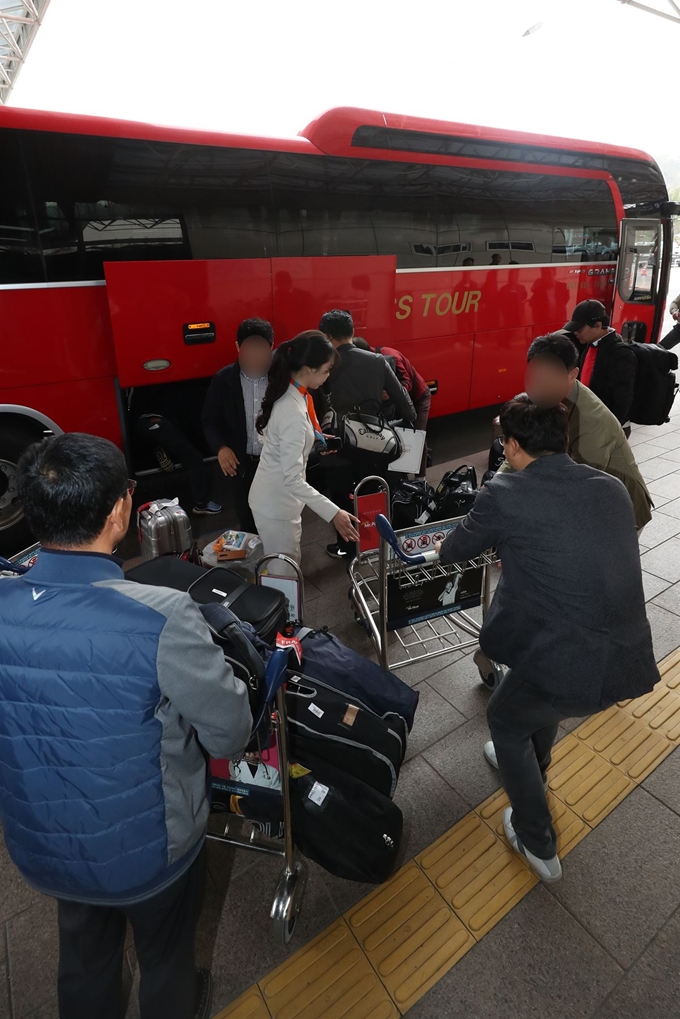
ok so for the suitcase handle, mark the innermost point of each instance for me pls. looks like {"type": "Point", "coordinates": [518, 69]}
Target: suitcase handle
{"type": "Point", "coordinates": [224, 623]}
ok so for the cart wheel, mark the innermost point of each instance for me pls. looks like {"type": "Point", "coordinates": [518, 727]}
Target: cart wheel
{"type": "Point", "coordinates": [490, 672]}
{"type": "Point", "coordinates": [288, 901]}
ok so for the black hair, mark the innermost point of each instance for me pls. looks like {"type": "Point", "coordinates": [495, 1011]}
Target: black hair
{"type": "Point", "coordinates": [337, 324]}
{"type": "Point", "coordinates": [310, 349]}
{"type": "Point", "coordinates": [537, 430]}
{"type": "Point", "coordinates": [255, 327]}
{"type": "Point", "coordinates": [361, 343]}
{"type": "Point", "coordinates": [68, 485]}
{"type": "Point", "coordinates": [557, 344]}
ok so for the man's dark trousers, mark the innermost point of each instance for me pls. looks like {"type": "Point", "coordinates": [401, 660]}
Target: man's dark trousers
{"type": "Point", "coordinates": [91, 944]}
{"type": "Point", "coordinates": [523, 721]}
{"type": "Point", "coordinates": [240, 489]}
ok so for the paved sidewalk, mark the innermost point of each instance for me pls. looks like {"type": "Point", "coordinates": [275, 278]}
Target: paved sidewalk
{"type": "Point", "coordinates": [602, 944]}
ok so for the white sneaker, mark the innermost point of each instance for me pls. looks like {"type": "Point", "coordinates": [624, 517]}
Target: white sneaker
{"type": "Point", "coordinates": [490, 754]}
{"type": "Point", "coordinates": [547, 870]}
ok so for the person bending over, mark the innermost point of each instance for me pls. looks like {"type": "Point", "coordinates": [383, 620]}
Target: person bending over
{"type": "Point", "coordinates": [568, 616]}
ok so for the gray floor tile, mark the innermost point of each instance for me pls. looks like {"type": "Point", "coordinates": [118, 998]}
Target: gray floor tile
{"type": "Point", "coordinates": [651, 989]}
{"type": "Point", "coordinates": [665, 630]}
{"type": "Point", "coordinates": [664, 782]}
{"type": "Point", "coordinates": [669, 598]}
{"type": "Point", "coordinates": [671, 507]}
{"type": "Point", "coordinates": [668, 487]}
{"type": "Point", "coordinates": [15, 894]}
{"type": "Point", "coordinates": [653, 585]}
{"type": "Point", "coordinates": [4, 976]}
{"type": "Point", "coordinates": [622, 882]}
{"type": "Point", "coordinates": [434, 719]}
{"type": "Point", "coordinates": [656, 468]}
{"type": "Point", "coordinates": [667, 439]}
{"type": "Point", "coordinates": [243, 948]}
{"type": "Point", "coordinates": [673, 454]}
{"type": "Point", "coordinates": [32, 944]}
{"type": "Point", "coordinates": [664, 560]}
{"type": "Point", "coordinates": [429, 667]}
{"type": "Point", "coordinates": [460, 684]}
{"type": "Point", "coordinates": [459, 759]}
{"type": "Point", "coordinates": [646, 451]}
{"type": "Point", "coordinates": [429, 805]}
{"type": "Point", "coordinates": [537, 963]}
{"type": "Point", "coordinates": [660, 528]}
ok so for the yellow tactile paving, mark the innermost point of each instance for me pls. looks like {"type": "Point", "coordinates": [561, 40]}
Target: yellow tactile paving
{"type": "Point", "coordinates": [330, 978]}
{"type": "Point", "coordinates": [670, 670]}
{"type": "Point", "coordinates": [660, 710]}
{"type": "Point", "coordinates": [626, 742]}
{"type": "Point", "coordinates": [249, 1006]}
{"type": "Point", "coordinates": [569, 827]}
{"type": "Point", "coordinates": [586, 782]}
{"type": "Point", "coordinates": [409, 934]}
{"type": "Point", "coordinates": [476, 873]}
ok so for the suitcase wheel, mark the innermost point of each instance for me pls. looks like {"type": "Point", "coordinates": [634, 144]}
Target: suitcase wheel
{"type": "Point", "coordinates": [288, 901]}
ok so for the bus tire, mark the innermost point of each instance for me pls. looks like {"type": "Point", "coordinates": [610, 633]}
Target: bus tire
{"type": "Point", "coordinates": [15, 534]}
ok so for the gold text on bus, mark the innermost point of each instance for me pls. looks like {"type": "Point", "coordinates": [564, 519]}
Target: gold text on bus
{"type": "Point", "coordinates": [446, 303]}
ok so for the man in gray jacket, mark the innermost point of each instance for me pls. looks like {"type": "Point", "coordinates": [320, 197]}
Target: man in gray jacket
{"type": "Point", "coordinates": [568, 616]}
{"type": "Point", "coordinates": [112, 694]}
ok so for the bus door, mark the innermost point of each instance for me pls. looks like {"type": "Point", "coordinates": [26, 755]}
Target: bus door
{"type": "Point", "coordinates": [173, 321]}
{"type": "Point", "coordinates": [641, 276]}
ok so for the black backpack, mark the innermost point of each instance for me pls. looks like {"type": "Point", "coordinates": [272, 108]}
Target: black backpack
{"type": "Point", "coordinates": [655, 385]}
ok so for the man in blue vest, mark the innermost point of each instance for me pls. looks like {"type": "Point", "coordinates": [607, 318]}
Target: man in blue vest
{"type": "Point", "coordinates": [112, 694]}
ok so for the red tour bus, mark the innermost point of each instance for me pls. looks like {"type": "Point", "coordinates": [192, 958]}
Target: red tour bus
{"type": "Point", "coordinates": [130, 252]}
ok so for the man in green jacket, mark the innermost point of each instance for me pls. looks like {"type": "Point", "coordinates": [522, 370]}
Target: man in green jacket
{"type": "Point", "coordinates": [595, 436]}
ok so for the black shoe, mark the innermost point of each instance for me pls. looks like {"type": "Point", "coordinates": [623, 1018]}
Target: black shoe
{"type": "Point", "coordinates": [336, 551]}
{"type": "Point", "coordinates": [164, 461]}
{"type": "Point", "coordinates": [207, 509]}
{"type": "Point", "coordinates": [203, 994]}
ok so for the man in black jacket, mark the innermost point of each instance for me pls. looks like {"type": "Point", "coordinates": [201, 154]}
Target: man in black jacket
{"type": "Point", "coordinates": [607, 365]}
{"type": "Point", "coordinates": [358, 381]}
{"type": "Point", "coordinates": [231, 409]}
{"type": "Point", "coordinates": [568, 616]}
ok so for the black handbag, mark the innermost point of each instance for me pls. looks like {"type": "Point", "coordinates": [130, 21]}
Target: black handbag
{"type": "Point", "coordinates": [409, 502]}
{"type": "Point", "coordinates": [344, 825]}
{"type": "Point", "coordinates": [371, 433]}
{"type": "Point", "coordinates": [455, 494]}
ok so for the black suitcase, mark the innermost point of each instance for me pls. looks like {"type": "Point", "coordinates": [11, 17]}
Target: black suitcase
{"type": "Point", "coordinates": [262, 607]}
{"type": "Point", "coordinates": [327, 724]}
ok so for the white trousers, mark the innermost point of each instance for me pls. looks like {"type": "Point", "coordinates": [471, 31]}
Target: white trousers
{"type": "Point", "coordinates": [279, 537]}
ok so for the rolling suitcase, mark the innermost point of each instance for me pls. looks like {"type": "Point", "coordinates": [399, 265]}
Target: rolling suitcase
{"type": "Point", "coordinates": [263, 607]}
{"type": "Point", "coordinates": [163, 527]}
{"type": "Point", "coordinates": [328, 725]}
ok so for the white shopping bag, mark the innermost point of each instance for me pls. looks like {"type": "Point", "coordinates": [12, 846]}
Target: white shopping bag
{"type": "Point", "coordinates": [412, 444]}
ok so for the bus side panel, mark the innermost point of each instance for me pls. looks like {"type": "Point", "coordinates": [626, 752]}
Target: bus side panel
{"type": "Point", "coordinates": [54, 334]}
{"type": "Point", "coordinates": [86, 405]}
{"type": "Point", "coordinates": [152, 302]}
{"type": "Point", "coordinates": [304, 288]}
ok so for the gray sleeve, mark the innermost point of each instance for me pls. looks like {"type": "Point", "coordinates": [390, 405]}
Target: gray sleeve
{"type": "Point", "coordinates": [194, 676]}
{"type": "Point", "coordinates": [476, 533]}
{"type": "Point", "coordinates": [398, 394]}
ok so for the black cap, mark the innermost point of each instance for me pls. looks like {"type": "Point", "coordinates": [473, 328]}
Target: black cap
{"type": "Point", "coordinates": [585, 314]}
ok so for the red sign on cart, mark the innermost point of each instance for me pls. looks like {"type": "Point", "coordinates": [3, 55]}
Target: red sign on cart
{"type": "Point", "coordinates": [367, 508]}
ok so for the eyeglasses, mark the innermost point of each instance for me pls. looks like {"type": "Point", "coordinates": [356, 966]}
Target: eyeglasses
{"type": "Point", "coordinates": [130, 490]}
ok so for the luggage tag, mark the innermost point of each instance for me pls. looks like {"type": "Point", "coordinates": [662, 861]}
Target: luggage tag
{"type": "Point", "coordinates": [318, 793]}
{"type": "Point", "coordinates": [290, 644]}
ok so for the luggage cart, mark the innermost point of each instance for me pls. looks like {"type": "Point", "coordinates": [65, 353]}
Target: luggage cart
{"type": "Point", "coordinates": [412, 606]}
{"type": "Point", "coordinates": [290, 888]}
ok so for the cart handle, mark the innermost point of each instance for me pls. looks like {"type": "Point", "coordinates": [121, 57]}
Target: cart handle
{"type": "Point", "coordinates": [275, 673]}
{"type": "Point", "coordinates": [387, 534]}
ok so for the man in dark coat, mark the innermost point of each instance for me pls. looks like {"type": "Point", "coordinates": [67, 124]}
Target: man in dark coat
{"type": "Point", "coordinates": [232, 407]}
{"type": "Point", "coordinates": [568, 616]}
{"type": "Point", "coordinates": [607, 365]}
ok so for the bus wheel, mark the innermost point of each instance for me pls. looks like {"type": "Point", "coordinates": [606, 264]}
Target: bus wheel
{"type": "Point", "coordinates": [14, 532]}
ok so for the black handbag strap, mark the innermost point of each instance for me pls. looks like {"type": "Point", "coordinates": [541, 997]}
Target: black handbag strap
{"type": "Point", "coordinates": [226, 599]}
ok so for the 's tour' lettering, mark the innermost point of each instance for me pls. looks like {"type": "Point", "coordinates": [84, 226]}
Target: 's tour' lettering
{"type": "Point", "coordinates": [440, 304]}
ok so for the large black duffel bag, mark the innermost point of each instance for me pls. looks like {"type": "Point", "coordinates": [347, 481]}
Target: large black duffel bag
{"type": "Point", "coordinates": [348, 828]}
{"type": "Point", "coordinates": [655, 385]}
{"type": "Point", "coordinates": [262, 607]}
{"type": "Point", "coordinates": [334, 727]}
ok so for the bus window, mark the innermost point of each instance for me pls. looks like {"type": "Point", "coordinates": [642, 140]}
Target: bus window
{"type": "Point", "coordinates": [20, 258]}
{"type": "Point", "coordinates": [639, 269]}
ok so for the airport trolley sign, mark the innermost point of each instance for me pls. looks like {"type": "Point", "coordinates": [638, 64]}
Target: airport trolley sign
{"type": "Point", "coordinates": [415, 595]}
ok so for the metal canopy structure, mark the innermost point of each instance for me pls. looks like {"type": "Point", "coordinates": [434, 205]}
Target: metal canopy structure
{"type": "Point", "coordinates": [662, 9]}
{"type": "Point", "coordinates": [19, 22]}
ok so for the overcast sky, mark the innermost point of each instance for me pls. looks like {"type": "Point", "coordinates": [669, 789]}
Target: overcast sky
{"type": "Point", "coordinates": [596, 69]}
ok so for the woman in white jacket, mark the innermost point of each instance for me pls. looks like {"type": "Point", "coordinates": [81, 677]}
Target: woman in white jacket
{"type": "Point", "coordinates": [290, 428]}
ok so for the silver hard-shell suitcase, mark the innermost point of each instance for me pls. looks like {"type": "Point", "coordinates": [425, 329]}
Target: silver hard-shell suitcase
{"type": "Point", "coordinates": [163, 527]}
